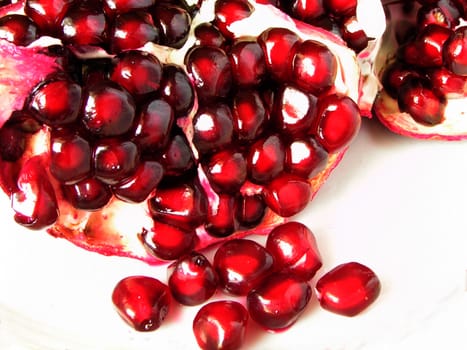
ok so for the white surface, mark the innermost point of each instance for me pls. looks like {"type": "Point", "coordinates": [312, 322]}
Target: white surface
{"type": "Point", "coordinates": [397, 205]}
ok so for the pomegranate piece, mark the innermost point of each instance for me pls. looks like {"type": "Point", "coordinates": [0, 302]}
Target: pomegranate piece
{"type": "Point", "coordinates": [142, 302]}
{"type": "Point", "coordinates": [348, 289]}
{"type": "Point", "coordinates": [242, 265]}
{"type": "Point", "coordinates": [192, 279]}
{"type": "Point", "coordinates": [279, 301]}
{"type": "Point", "coordinates": [294, 249]}
{"type": "Point", "coordinates": [221, 325]}
{"type": "Point", "coordinates": [18, 29]}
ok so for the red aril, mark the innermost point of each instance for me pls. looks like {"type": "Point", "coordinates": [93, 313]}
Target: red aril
{"type": "Point", "coordinates": [348, 289]}
{"type": "Point", "coordinates": [143, 302]}
{"type": "Point", "coordinates": [18, 29]}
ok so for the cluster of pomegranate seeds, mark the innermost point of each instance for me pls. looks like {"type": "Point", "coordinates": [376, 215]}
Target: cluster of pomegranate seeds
{"type": "Point", "coordinates": [274, 280]}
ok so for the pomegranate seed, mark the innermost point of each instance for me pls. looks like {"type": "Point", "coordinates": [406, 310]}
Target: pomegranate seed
{"type": "Point", "coordinates": [143, 302]}
{"type": "Point", "coordinates": [174, 24]}
{"type": "Point", "coordinates": [34, 202]}
{"type": "Point", "coordinates": [279, 301]}
{"type": "Point", "coordinates": [394, 76]}
{"type": "Point", "coordinates": [178, 158]}
{"type": "Point", "coordinates": [183, 205]}
{"type": "Point", "coordinates": [228, 12]}
{"type": "Point", "coordinates": [122, 6]}
{"type": "Point", "coordinates": [56, 102]}
{"type": "Point", "coordinates": [247, 60]}
{"type": "Point", "coordinates": [138, 72]}
{"type": "Point", "coordinates": [221, 325]}
{"type": "Point", "coordinates": [207, 34]}
{"type": "Point", "coordinates": [266, 159]}
{"type": "Point", "coordinates": [192, 279]}
{"type": "Point", "coordinates": [341, 7]}
{"type": "Point", "coordinates": [307, 10]}
{"type": "Point", "coordinates": [70, 157]}
{"type": "Point", "coordinates": [177, 89]}
{"type": "Point", "coordinates": [212, 128]}
{"type": "Point", "coordinates": [250, 210]}
{"type": "Point", "coordinates": [447, 84]}
{"type": "Point", "coordinates": [221, 216]}
{"type": "Point", "coordinates": [305, 157]}
{"type": "Point", "coordinates": [348, 289]}
{"type": "Point", "coordinates": [338, 122]}
{"type": "Point", "coordinates": [168, 242]}
{"type": "Point", "coordinates": [18, 29]}
{"type": "Point", "coordinates": [294, 249]}
{"type": "Point", "coordinates": [211, 71]}
{"type": "Point", "coordinates": [47, 14]}
{"type": "Point", "coordinates": [277, 44]}
{"type": "Point", "coordinates": [287, 194]}
{"type": "Point", "coordinates": [108, 109]}
{"type": "Point", "coordinates": [226, 171]}
{"type": "Point", "coordinates": [353, 34]}
{"type": "Point", "coordinates": [89, 194]}
{"type": "Point", "coordinates": [314, 67]}
{"type": "Point", "coordinates": [241, 265]}
{"type": "Point", "coordinates": [455, 51]}
{"type": "Point", "coordinates": [12, 143]}
{"type": "Point", "coordinates": [249, 115]}
{"type": "Point", "coordinates": [141, 184]}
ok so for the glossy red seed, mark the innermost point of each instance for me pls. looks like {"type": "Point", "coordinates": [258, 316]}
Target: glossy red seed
{"type": "Point", "coordinates": [221, 325]}
{"type": "Point", "coordinates": [34, 202]}
{"type": "Point", "coordinates": [305, 157]}
{"type": "Point", "coordinates": [211, 71]}
{"type": "Point", "coordinates": [18, 29]}
{"type": "Point", "coordinates": [207, 34]}
{"type": "Point", "coordinates": [341, 7]}
{"type": "Point", "coordinates": [47, 14]}
{"type": "Point", "coordinates": [142, 302]}
{"type": "Point", "coordinates": [348, 289]}
{"type": "Point", "coordinates": [183, 205]}
{"type": "Point", "coordinates": [121, 6]}
{"type": "Point", "coordinates": [192, 279]}
{"type": "Point", "coordinates": [338, 122]}
{"type": "Point", "coordinates": [177, 89]}
{"type": "Point", "coordinates": [173, 22]}
{"type": "Point", "coordinates": [221, 216]}
{"type": "Point", "coordinates": [250, 209]}
{"type": "Point", "coordinates": [314, 67]}
{"type": "Point", "coordinates": [108, 110]}
{"type": "Point", "coordinates": [354, 34]}
{"type": "Point", "coordinates": [455, 51]}
{"type": "Point", "coordinates": [279, 301]}
{"type": "Point", "coordinates": [266, 159]}
{"type": "Point", "coordinates": [89, 194]}
{"type": "Point", "coordinates": [394, 75]}
{"type": "Point", "coordinates": [137, 71]}
{"type": "Point", "coordinates": [294, 249]}
{"type": "Point", "coordinates": [242, 265]}
{"type": "Point", "coordinates": [277, 44]}
{"type": "Point", "coordinates": [141, 184]}
{"type": "Point", "coordinates": [56, 102]}
{"type": "Point", "coordinates": [307, 10]}
{"type": "Point", "coordinates": [70, 157]}
{"type": "Point", "coordinates": [168, 242]}
{"type": "Point", "coordinates": [177, 158]}
{"type": "Point", "coordinates": [249, 114]}
{"type": "Point", "coordinates": [287, 194]}
{"type": "Point", "coordinates": [228, 12]}
{"type": "Point", "coordinates": [226, 171]}
{"type": "Point", "coordinates": [248, 64]}
{"type": "Point", "coordinates": [445, 83]}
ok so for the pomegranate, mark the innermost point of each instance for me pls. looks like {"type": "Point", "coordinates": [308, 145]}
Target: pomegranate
{"type": "Point", "coordinates": [198, 125]}
{"type": "Point", "coordinates": [421, 66]}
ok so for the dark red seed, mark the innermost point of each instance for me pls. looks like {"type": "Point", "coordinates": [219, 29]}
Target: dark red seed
{"type": "Point", "coordinates": [249, 115]}
{"type": "Point", "coordinates": [445, 83]}
{"type": "Point", "coordinates": [266, 159]}
{"type": "Point", "coordinates": [47, 14]}
{"type": "Point", "coordinates": [354, 34]}
{"type": "Point", "coordinates": [287, 194]}
{"type": "Point", "coordinates": [221, 216]}
{"type": "Point", "coordinates": [207, 34]}
{"type": "Point", "coordinates": [168, 242]}
{"type": "Point", "coordinates": [177, 89]}
{"type": "Point", "coordinates": [279, 301]}
{"type": "Point", "coordinates": [248, 64]}
{"type": "Point", "coordinates": [142, 302]}
{"type": "Point", "coordinates": [394, 75]}
{"type": "Point", "coordinates": [341, 7]}
{"type": "Point", "coordinates": [121, 6]}
{"type": "Point", "coordinates": [12, 143]}
{"type": "Point", "coordinates": [228, 12]}
{"type": "Point", "coordinates": [307, 10]}
{"type": "Point", "coordinates": [178, 158]}
{"type": "Point", "coordinates": [348, 289]}
{"type": "Point", "coordinates": [455, 51]}
{"type": "Point", "coordinates": [141, 184]}
{"type": "Point", "coordinates": [242, 265]}
{"type": "Point", "coordinates": [88, 194]}
{"type": "Point", "coordinates": [221, 325]}
{"type": "Point", "coordinates": [305, 157]}
{"type": "Point", "coordinates": [250, 210]}
{"type": "Point", "coordinates": [192, 279]}
{"type": "Point", "coordinates": [294, 249]}
{"type": "Point", "coordinates": [18, 29]}
{"type": "Point", "coordinates": [226, 171]}
{"type": "Point", "coordinates": [70, 157]}
{"type": "Point", "coordinates": [174, 24]}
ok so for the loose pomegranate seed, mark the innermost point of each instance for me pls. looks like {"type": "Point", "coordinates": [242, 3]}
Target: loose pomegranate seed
{"type": "Point", "coordinates": [34, 202]}
{"type": "Point", "coordinates": [221, 216]}
{"type": "Point", "coordinates": [305, 157]}
{"type": "Point", "coordinates": [294, 249]}
{"type": "Point", "coordinates": [141, 184]}
{"type": "Point", "coordinates": [266, 159]}
{"type": "Point", "coordinates": [226, 171]}
{"type": "Point", "coordinates": [228, 12]}
{"type": "Point", "coordinates": [47, 14]}
{"type": "Point", "coordinates": [178, 158]}
{"type": "Point", "coordinates": [137, 71]}
{"type": "Point", "coordinates": [177, 89]}
{"type": "Point", "coordinates": [56, 102]}
{"type": "Point", "coordinates": [108, 109]}
{"type": "Point", "coordinates": [70, 157]}
{"type": "Point", "coordinates": [279, 301]}
{"type": "Point", "coordinates": [143, 302]}
{"type": "Point", "coordinates": [353, 34]}
{"type": "Point", "coordinates": [249, 115]}
{"type": "Point", "coordinates": [348, 289]}
{"type": "Point", "coordinates": [174, 24]}
{"type": "Point", "coordinates": [221, 325]}
{"type": "Point", "coordinates": [455, 51]}
{"type": "Point", "coordinates": [338, 121]}
{"type": "Point", "coordinates": [287, 194]}
{"type": "Point", "coordinates": [89, 194]}
{"type": "Point", "coordinates": [211, 71]}
{"type": "Point", "coordinates": [250, 210]}
{"type": "Point", "coordinates": [154, 125]}
{"type": "Point", "coordinates": [192, 279]}
{"type": "Point", "coordinates": [241, 265]}
{"type": "Point", "coordinates": [18, 29]}
{"type": "Point", "coordinates": [207, 34]}
{"type": "Point", "coordinates": [314, 67]}
{"type": "Point", "coordinates": [168, 242]}
{"type": "Point", "coordinates": [247, 60]}
{"type": "Point", "coordinates": [182, 205]}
